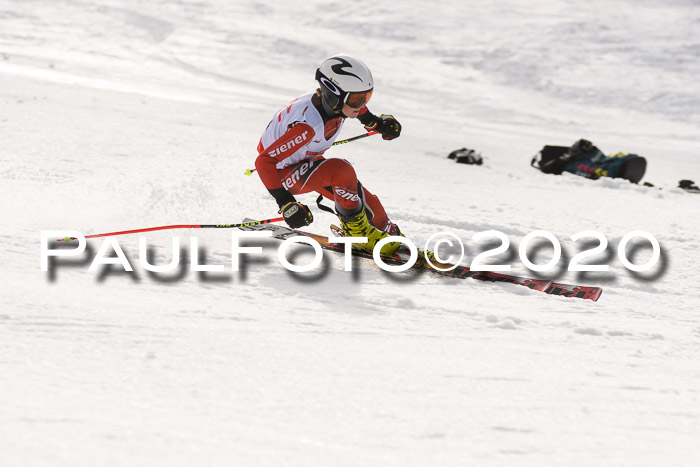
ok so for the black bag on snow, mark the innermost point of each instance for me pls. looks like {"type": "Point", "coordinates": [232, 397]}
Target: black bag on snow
{"type": "Point", "coordinates": [551, 159]}
{"type": "Point", "coordinates": [586, 160]}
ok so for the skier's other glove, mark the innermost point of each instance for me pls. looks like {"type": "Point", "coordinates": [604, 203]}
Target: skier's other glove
{"type": "Point", "coordinates": [387, 125]}
{"type": "Point", "coordinates": [296, 214]}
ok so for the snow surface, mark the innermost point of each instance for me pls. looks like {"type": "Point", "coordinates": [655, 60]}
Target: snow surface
{"type": "Point", "coordinates": [122, 114]}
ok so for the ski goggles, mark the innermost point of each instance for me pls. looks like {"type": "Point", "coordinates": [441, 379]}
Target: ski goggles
{"type": "Point", "coordinates": [357, 99]}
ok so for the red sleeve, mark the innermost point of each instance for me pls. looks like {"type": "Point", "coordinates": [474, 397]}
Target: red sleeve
{"type": "Point", "coordinates": [297, 136]}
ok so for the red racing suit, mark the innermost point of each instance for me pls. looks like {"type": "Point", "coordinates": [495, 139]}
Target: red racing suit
{"type": "Point", "coordinates": [290, 160]}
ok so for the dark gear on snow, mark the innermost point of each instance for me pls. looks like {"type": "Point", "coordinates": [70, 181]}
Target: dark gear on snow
{"type": "Point", "coordinates": [586, 160]}
{"type": "Point", "coordinates": [689, 186]}
{"type": "Point", "coordinates": [466, 156]}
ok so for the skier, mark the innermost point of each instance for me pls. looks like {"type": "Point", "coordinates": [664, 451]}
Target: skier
{"type": "Point", "coordinates": [290, 153]}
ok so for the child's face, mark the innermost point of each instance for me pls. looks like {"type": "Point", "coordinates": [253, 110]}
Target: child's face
{"type": "Point", "coordinates": [350, 112]}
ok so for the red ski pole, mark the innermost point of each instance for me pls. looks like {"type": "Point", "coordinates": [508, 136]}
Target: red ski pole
{"type": "Point", "coordinates": [179, 226]}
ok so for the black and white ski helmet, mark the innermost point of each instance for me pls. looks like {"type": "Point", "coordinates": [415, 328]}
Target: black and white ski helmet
{"type": "Point", "coordinates": [344, 80]}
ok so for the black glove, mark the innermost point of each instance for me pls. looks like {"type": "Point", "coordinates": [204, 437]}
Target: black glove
{"type": "Point", "coordinates": [387, 125]}
{"type": "Point", "coordinates": [296, 214]}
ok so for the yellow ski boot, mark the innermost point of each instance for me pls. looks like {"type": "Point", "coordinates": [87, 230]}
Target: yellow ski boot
{"type": "Point", "coordinates": [357, 225]}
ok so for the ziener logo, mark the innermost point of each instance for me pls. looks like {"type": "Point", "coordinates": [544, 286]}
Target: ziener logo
{"type": "Point", "coordinates": [289, 182]}
{"type": "Point", "coordinates": [289, 145]}
{"type": "Point", "coordinates": [347, 195]}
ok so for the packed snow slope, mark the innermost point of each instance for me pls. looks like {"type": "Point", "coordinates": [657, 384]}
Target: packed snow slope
{"type": "Point", "coordinates": [122, 114]}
